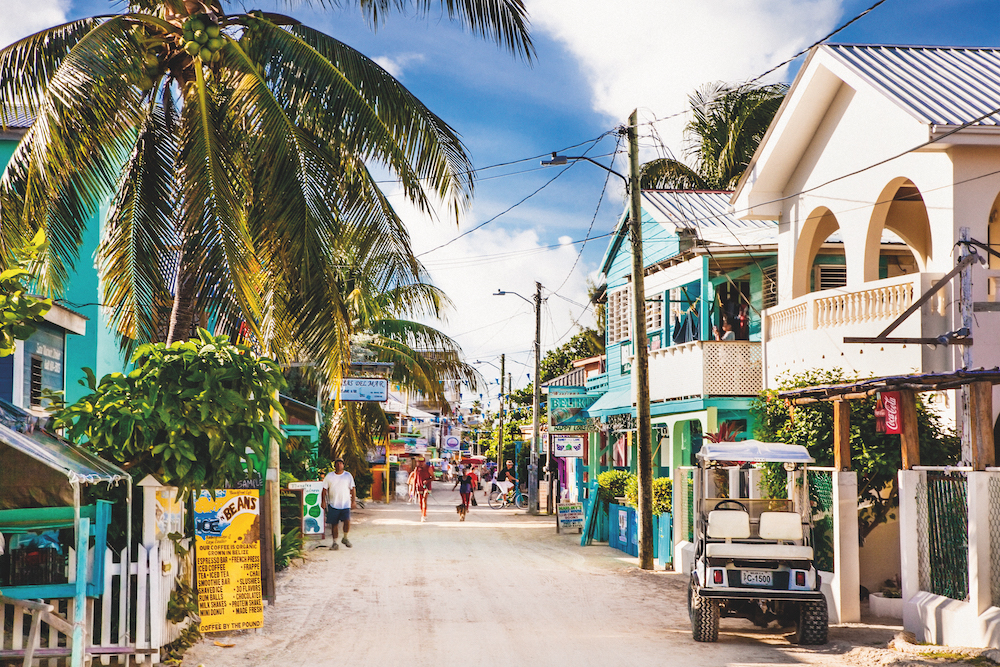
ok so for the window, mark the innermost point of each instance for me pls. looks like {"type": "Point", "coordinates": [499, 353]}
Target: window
{"type": "Point", "coordinates": [35, 397]}
{"type": "Point", "coordinates": [654, 314]}
{"type": "Point", "coordinates": [830, 276]}
{"type": "Point", "coordinates": [619, 321]}
{"type": "Point", "coordinates": [770, 286]}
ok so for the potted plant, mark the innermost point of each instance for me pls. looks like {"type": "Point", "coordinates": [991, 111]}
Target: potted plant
{"type": "Point", "coordinates": [888, 603]}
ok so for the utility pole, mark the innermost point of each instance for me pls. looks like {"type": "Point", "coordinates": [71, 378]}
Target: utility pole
{"type": "Point", "coordinates": [500, 435]}
{"type": "Point", "coordinates": [536, 401]}
{"type": "Point", "coordinates": [965, 306]}
{"type": "Point", "coordinates": [640, 368]}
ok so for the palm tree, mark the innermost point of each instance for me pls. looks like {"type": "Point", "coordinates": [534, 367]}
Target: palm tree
{"type": "Point", "coordinates": [234, 150]}
{"type": "Point", "coordinates": [727, 124]}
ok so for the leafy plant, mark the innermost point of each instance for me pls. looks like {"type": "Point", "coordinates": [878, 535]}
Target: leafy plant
{"type": "Point", "coordinates": [611, 484]}
{"type": "Point", "coordinates": [662, 494]}
{"type": "Point", "coordinates": [20, 312]}
{"type": "Point", "coordinates": [188, 413]}
{"type": "Point", "coordinates": [182, 603]}
{"type": "Point", "coordinates": [289, 549]}
{"type": "Point", "coordinates": [728, 430]}
{"type": "Point", "coordinates": [875, 456]}
{"type": "Point", "coordinates": [892, 588]}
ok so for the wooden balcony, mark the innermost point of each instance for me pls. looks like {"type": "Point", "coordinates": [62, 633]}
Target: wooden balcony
{"type": "Point", "coordinates": [705, 368]}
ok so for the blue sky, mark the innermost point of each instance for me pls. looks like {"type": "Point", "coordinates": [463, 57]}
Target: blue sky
{"type": "Point", "coordinates": [597, 60]}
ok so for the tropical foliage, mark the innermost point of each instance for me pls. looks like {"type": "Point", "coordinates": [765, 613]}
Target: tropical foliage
{"type": "Point", "coordinates": [20, 311]}
{"type": "Point", "coordinates": [662, 494]}
{"type": "Point", "coordinates": [876, 457]}
{"type": "Point", "coordinates": [728, 121]}
{"type": "Point", "coordinates": [584, 344]}
{"type": "Point", "coordinates": [188, 412]}
{"type": "Point", "coordinates": [234, 150]}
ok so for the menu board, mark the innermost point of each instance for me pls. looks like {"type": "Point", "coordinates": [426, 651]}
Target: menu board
{"type": "Point", "coordinates": [227, 542]}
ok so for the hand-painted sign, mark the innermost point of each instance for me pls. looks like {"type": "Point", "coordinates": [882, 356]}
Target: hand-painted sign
{"type": "Point", "coordinates": [227, 542]}
{"type": "Point", "coordinates": [570, 515]}
{"type": "Point", "coordinates": [312, 506]}
{"type": "Point", "coordinates": [568, 446]}
{"type": "Point", "coordinates": [364, 389]}
{"type": "Point", "coordinates": [568, 408]}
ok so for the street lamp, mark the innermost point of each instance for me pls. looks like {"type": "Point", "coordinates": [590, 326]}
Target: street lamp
{"type": "Point", "coordinates": [640, 369]}
{"type": "Point", "coordinates": [535, 426]}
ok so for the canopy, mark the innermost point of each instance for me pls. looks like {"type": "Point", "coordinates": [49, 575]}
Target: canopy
{"type": "Point", "coordinates": [77, 464]}
{"type": "Point", "coordinates": [395, 405]}
{"type": "Point", "coordinates": [754, 451]}
{"type": "Point", "coordinates": [611, 403]}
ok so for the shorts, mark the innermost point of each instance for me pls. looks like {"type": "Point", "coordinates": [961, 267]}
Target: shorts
{"type": "Point", "coordinates": [335, 516]}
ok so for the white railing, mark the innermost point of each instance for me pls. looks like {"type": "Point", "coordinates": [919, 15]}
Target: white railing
{"type": "Point", "coordinates": [113, 634]}
{"type": "Point", "coordinates": [705, 368]}
{"type": "Point", "coordinates": [879, 302]}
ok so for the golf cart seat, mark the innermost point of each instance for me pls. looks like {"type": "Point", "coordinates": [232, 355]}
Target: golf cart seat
{"type": "Point", "coordinates": [758, 551]}
{"type": "Point", "coordinates": [728, 524]}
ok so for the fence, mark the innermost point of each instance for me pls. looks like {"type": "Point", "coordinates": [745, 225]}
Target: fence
{"type": "Point", "coordinates": [683, 503]}
{"type": "Point", "coordinates": [821, 506]}
{"type": "Point", "coordinates": [943, 533]}
{"type": "Point", "coordinates": [113, 633]}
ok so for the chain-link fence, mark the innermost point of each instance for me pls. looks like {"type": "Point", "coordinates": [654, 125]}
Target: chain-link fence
{"type": "Point", "coordinates": [684, 502]}
{"type": "Point", "coordinates": [994, 490]}
{"type": "Point", "coordinates": [943, 533]}
{"type": "Point", "coordinates": [821, 506]}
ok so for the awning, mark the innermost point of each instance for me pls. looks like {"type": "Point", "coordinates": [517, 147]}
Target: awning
{"type": "Point", "coordinates": [77, 464]}
{"type": "Point", "coordinates": [755, 451]}
{"type": "Point", "coordinates": [396, 406]}
{"type": "Point", "coordinates": [611, 403]}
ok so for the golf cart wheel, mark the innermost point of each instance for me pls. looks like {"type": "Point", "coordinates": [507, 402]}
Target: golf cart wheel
{"type": "Point", "coordinates": [704, 617]}
{"type": "Point", "coordinates": [521, 501]}
{"type": "Point", "coordinates": [813, 623]}
{"type": "Point", "coordinates": [496, 499]}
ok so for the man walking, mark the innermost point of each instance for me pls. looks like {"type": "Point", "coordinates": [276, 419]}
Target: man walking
{"type": "Point", "coordinates": [422, 483]}
{"type": "Point", "coordinates": [339, 497]}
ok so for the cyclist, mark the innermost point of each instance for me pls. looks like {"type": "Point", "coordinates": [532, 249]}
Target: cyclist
{"type": "Point", "coordinates": [506, 478]}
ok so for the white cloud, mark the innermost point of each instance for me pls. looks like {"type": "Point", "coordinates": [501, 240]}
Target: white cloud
{"type": "Point", "coordinates": [26, 17]}
{"type": "Point", "coordinates": [396, 65]}
{"type": "Point", "coordinates": [650, 54]}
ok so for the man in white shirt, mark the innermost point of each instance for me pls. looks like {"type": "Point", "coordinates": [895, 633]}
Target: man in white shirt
{"type": "Point", "coordinates": [339, 498]}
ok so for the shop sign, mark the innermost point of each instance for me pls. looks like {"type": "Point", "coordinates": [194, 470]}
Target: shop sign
{"type": "Point", "coordinates": [312, 507]}
{"type": "Point", "coordinates": [887, 414]}
{"type": "Point", "coordinates": [452, 443]}
{"type": "Point", "coordinates": [567, 407]}
{"type": "Point", "coordinates": [570, 515]}
{"type": "Point", "coordinates": [393, 458]}
{"type": "Point", "coordinates": [623, 526]}
{"type": "Point", "coordinates": [227, 547]}
{"type": "Point", "coordinates": [169, 512]}
{"type": "Point", "coordinates": [567, 446]}
{"type": "Point", "coordinates": [375, 390]}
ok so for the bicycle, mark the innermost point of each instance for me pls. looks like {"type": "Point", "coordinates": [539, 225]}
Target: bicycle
{"type": "Point", "coordinates": [498, 500]}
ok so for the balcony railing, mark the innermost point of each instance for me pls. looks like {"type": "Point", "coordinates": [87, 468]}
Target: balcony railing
{"type": "Point", "coordinates": [880, 302]}
{"type": "Point", "coordinates": [705, 368]}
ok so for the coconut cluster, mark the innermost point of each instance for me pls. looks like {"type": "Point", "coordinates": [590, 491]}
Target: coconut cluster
{"type": "Point", "coordinates": [202, 38]}
{"type": "Point", "coordinates": [152, 47]}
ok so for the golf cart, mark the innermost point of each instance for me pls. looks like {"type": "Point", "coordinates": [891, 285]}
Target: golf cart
{"type": "Point", "coordinates": [753, 557]}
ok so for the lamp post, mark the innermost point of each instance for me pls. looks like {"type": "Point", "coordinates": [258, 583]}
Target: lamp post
{"type": "Point", "coordinates": [536, 400]}
{"type": "Point", "coordinates": [640, 369]}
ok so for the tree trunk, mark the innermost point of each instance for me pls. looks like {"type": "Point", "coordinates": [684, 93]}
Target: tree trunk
{"type": "Point", "coordinates": [182, 311]}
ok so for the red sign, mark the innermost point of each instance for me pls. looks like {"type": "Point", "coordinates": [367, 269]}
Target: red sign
{"type": "Point", "coordinates": [887, 413]}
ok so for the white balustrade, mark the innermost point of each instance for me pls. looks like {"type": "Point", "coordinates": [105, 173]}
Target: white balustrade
{"type": "Point", "coordinates": [705, 368]}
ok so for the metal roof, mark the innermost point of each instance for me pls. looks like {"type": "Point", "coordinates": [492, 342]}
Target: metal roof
{"type": "Point", "coordinates": [937, 85]}
{"type": "Point", "coordinates": [707, 214]}
{"type": "Point", "coordinates": [754, 450]}
{"type": "Point", "coordinates": [16, 118]}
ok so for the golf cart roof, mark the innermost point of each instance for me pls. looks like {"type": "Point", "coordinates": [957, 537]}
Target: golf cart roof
{"type": "Point", "coordinates": [754, 451]}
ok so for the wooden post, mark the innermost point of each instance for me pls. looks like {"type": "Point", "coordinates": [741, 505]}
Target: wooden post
{"type": "Point", "coordinates": [842, 435]}
{"type": "Point", "coordinates": [981, 424]}
{"type": "Point", "coordinates": [909, 439]}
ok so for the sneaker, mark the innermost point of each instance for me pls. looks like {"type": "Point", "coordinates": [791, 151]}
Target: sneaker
{"type": "Point", "coordinates": [422, 519]}
{"type": "Point", "coordinates": [334, 546]}
{"type": "Point", "coordinates": [347, 543]}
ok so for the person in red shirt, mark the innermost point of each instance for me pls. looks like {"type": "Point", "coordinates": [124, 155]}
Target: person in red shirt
{"type": "Point", "coordinates": [422, 485]}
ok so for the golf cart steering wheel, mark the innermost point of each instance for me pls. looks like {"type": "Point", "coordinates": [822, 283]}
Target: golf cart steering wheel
{"type": "Point", "coordinates": [724, 505]}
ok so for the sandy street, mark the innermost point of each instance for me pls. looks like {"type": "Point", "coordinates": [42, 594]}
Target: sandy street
{"type": "Point", "coordinates": [502, 588]}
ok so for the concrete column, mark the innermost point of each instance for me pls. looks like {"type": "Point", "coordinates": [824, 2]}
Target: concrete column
{"type": "Point", "coordinates": [909, 544]}
{"type": "Point", "coordinates": [846, 585]}
{"type": "Point", "coordinates": [150, 486]}
{"type": "Point", "coordinates": [980, 595]}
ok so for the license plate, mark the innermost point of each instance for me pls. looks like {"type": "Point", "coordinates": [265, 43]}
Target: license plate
{"type": "Point", "coordinates": [756, 578]}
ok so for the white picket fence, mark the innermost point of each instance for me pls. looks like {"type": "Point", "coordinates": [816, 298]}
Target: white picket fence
{"type": "Point", "coordinates": [114, 635]}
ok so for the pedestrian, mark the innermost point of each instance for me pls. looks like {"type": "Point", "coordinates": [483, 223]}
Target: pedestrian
{"type": "Point", "coordinates": [487, 480]}
{"type": "Point", "coordinates": [475, 479]}
{"type": "Point", "coordinates": [422, 483]}
{"type": "Point", "coordinates": [465, 489]}
{"type": "Point", "coordinates": [458, 477]}
{"type": "Point", "coordinates": [339, 498]}
{"type": "Point", "coordinates": [411, 484]}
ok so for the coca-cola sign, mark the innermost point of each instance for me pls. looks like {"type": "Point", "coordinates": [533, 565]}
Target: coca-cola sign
{"type": "Point", "coordinates": [888, 406]}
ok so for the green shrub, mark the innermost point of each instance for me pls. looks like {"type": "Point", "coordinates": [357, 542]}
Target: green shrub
{"type": "Point", "coordinates": [662, 494]}
{"type": "Point", "coordinates": [611, 484]}
{"type": "Point", "coordinates": [291, 547]}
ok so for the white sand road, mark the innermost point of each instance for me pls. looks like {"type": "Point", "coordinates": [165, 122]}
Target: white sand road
{"type": "Point", "coordinates": [501, 588]}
